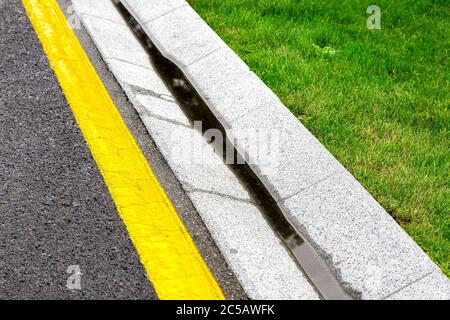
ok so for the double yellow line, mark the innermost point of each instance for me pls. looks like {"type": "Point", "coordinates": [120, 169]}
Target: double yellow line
{"type": "Point", "coordinates": [175, 267]}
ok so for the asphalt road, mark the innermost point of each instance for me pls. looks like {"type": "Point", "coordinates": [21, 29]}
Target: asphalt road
{"type": "Point", "coordinates": [55, 210]}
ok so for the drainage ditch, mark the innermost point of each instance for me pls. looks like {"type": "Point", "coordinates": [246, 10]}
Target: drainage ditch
{"type": "Point", "coordinates": [195, 108]}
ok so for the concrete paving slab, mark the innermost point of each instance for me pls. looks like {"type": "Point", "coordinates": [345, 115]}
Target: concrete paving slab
{"type": "Point", "coordinates": [297, 161]}
{"type": "Point", "coordinates": [369, 252]}
{"type": "Point", "coordinates": [193, 161]}
{"type": "Point", "coordinates": [229, 88]}
{"type": "Point", "coordinates": [141, 77]}
{"type": "Point", "coordinates": [259, 259]}
{"type": "Point", "coordinates": [183, 36]}
{"type": "Point", "coordinates": [435, 286]}
{"type": "Point", "coordinates": [147, 92]}
{"type": "Point", "coordinates": [153, 9]}
{"type": "Point", "coordinates": [110, 39]}
{"type": "Point", "coordinates": [98, 8]}
{"type": "Point", "coordinates": [160, 108]}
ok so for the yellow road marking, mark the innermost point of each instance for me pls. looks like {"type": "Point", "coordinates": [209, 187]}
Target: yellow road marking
{"type": "Point", "coordinates": [166, 250]}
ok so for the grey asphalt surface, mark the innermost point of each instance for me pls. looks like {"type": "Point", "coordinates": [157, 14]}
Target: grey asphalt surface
{"type": "Point", "coordinates": [55, 210]}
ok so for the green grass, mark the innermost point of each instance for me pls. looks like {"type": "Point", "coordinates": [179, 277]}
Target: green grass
{"type": "Point", "coordinates": [377, 99]}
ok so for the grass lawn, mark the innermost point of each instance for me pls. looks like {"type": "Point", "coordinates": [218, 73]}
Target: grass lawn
{"type": "Point", "coordinates": [377, 99]}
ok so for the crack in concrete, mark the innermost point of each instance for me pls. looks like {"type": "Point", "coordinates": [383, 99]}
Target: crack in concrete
{"type": "Point", "coordinates": [223, 195]}
{"type": "Point", "coordinates": [148, 92]}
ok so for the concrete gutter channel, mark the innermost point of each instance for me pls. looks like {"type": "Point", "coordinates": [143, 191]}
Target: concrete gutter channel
{"type": "Point", "coordinates": [366, 251]}
{"type": "Point", "coordinates": [196, 110]}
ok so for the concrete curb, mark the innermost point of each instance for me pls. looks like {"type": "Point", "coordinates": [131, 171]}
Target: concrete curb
{"type": "Point", "coordinates": [369, 252]}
